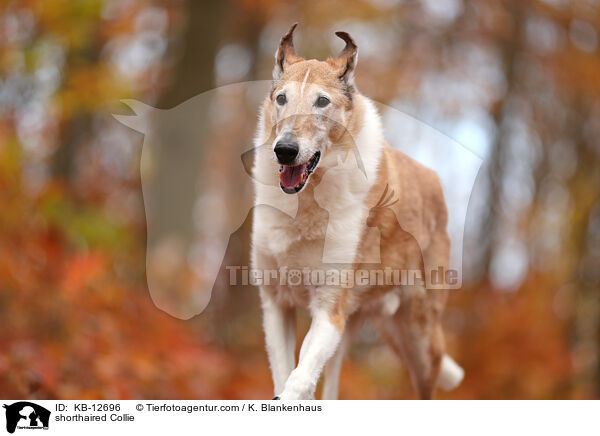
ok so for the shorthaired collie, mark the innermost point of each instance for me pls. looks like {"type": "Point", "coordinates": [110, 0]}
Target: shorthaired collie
{"type": "Point", "coordinates": [346, 203]}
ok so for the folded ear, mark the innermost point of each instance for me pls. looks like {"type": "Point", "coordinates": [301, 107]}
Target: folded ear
{"type": "Point", "coordinates": [286, 53]}
{"type": "Point", "coordinates": [346, 60]}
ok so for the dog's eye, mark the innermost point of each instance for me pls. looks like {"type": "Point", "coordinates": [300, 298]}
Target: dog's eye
{"type": "Point", "coordinates": [322, 101]}
{"type": "Point", "coordinates": [281, 100]}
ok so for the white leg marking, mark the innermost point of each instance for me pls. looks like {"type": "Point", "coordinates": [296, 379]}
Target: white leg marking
{"type": "Point", "coordinates": [305, 343]}
{"type": "Point", "coordinates": [280, 337]}
{"type": "Point", "coordinates": [331, 374]}
{"type": "Point", "coordinates": [321, 342]}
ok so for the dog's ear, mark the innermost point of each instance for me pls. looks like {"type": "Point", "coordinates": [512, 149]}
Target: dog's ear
{"type": "Point", "coordinates": [286, 53]}
{"type": "Point", "coordinates": [345, 63]}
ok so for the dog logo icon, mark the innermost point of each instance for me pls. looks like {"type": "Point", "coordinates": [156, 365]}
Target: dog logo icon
{"type": "Point", "coordinates": [198, 190]}
{"type": "Point", "coordinates": [26, 415]}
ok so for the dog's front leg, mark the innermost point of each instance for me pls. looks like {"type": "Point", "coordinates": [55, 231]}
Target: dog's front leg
{"type": "Point", "coordinates": [320, 343]}
{"type": "Point", "coordinates": [279, 323]}
{"type": "Point", "coordinates": [331, 374]}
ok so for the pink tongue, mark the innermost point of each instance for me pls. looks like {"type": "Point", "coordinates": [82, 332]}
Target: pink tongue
{"type": "Point", "coordinates": [290, 176]}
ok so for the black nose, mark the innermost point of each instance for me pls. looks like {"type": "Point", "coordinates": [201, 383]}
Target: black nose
{"type": "Point", "coordinates": [286, 152]}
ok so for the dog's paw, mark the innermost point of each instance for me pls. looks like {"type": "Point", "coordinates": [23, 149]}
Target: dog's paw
{"type": "Point", "coordinates": [298, 387]}
{"type": "Point", "coordinates": [296, 394]}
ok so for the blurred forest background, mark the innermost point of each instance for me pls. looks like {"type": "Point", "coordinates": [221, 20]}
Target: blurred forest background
{"type": "Point", "coordinates": [518, 81]}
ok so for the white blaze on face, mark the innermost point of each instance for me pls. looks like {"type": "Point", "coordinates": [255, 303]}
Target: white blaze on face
{"type": "Point", "coordinates": [304, 83]}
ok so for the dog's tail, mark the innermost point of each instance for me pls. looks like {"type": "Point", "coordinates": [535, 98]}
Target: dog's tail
{"type": "Point", "coordinates": [450, 374]}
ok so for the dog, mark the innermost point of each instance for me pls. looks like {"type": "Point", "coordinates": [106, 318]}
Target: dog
{"type": "Point", "coordinates": [327, 153]}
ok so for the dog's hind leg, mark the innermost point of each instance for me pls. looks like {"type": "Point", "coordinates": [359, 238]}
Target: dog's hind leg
{"type": "Point", "coordinates": [416, 336]}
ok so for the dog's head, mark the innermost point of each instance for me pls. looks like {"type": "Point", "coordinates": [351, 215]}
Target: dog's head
{"type": "Point", "coordinates": [309, 109]}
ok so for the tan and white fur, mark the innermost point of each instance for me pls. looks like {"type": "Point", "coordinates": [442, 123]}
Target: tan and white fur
{"type": "Point", "coordinates": [336, 216]}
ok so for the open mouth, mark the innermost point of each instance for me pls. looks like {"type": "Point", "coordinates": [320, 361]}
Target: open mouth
{"type": "Point", "coordinates": [293, 178]}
